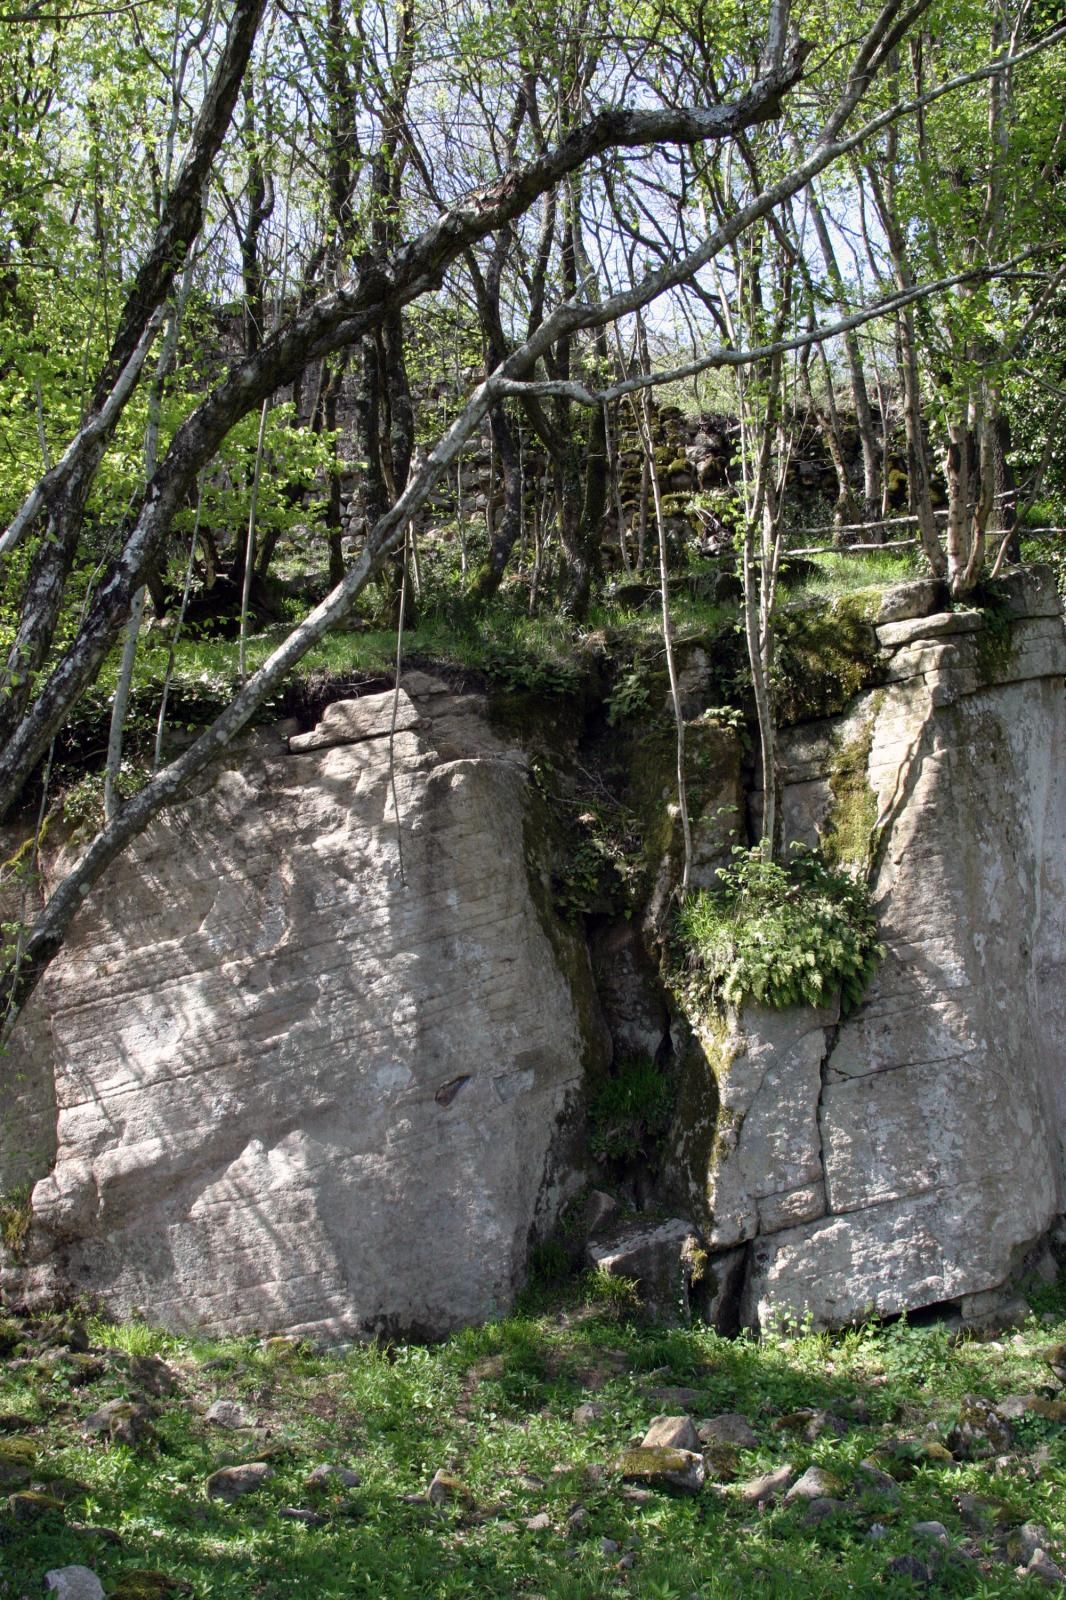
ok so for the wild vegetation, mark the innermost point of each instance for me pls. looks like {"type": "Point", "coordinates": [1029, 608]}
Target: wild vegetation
{"type": "Point", "coordinates": [943, 1460]}
{"type": "Point", "coordinates": [282, 266]}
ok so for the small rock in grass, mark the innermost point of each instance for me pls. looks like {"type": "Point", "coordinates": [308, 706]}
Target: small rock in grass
{"type": "Point", "coordinates": [16, 1464]}
{"type": "Point", "coordinates": [979, 1431]}
{"type": "Point", "coordinates": [609, 1547]}
{"type": "Point", "coordinates": [910, 1567]}
{"type": "Point", "coordinates": [876, 1532]}
{"type": "Point", "coordinates": [637, 1496]}
{"type": "Point", "coordinates": [228, 1414]}
{"type": "Point", "coordinates": [876, 1480]}
{"type": "Point", "coordinates": [1023, 1542]}
{"type": "Point", "coordinates": [1014, 1406]}
{"type": "Point", "coordinates": [680, 1399]}
{"type": "Point", "coordinates": [721, 1462]}
{"type": "Point", "coordinates": [31, 1506]}
{"type": "Point", "coordinates": [730, 1429]}
{"type": "Point", "coordinates": [978, 1513]}
{"type": "Point", "coordinates": [588, 1413]}
{"type": "Point", "coordinates": [1050, 1410]}
{"type": "Point", "coordinates": [541, 1523]}
{"type": "Point", "coordinates": [310, 1519]}
{"type": "Point", "coordinates": [663, 1468]}
{"type": "Point", "coordinates": [769, 1486]}
{"type": "Point", "coordinates": [793, 1421]}
{"type": "Point", "coordinates": [74, 1583]}
{"type": "Point", "coordinates": [671, 1433]}
{"type": "Point", "coordinates": [447, 1489]}
{"type": "Point", "coordinates": [815, 1484]}
{"type": "Point", "coordinates": [281, 1344]}
{"type": "Point", "coordinates": [65, 1489]}
{"type": "Point", "coordinates": [15, 1422]}
{"type": "Point", "coordinates": [822, 1507]}
{"type": "Point", "coordinates": [153, 1376]}
{"type": "Point", "coordinates": [328, 1476]}
{"type": "Point", "coordinates": [1055, 1356]}
{"type": "Point", "coordinates": [121, 1421]}
{"type": "Point", "coordinates": [1040, 1565]}
{"type": "Point", "coordinates": [930, 1530]}
{"type": "Point", "coordinates": [94, 1530]}
{"type": "Point", "coordinates": [231, 1483]}
{"type": "Point", "coordinates": [577, 1519]}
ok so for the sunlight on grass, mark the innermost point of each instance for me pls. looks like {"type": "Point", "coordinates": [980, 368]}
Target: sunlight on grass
{"type": "Point", "coordinates": [494, 1407]}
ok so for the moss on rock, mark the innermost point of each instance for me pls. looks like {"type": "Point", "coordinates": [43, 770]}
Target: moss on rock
{"type": "Point", "coordinates": [825, 657]}
{"type": "Point", "coordinates": [848, 836]}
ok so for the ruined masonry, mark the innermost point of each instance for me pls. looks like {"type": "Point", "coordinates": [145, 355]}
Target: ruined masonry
{"type": "Point", "coordinates": [298, 1072]}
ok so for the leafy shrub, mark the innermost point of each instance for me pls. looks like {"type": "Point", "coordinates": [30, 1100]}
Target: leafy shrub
{"type": "Point", "coordinates": [631, 1112]}
{"type": "Point", "coordinates": [15, 1217]}
{"type": "Point", "coordinates": [782, 935]}
{"type": "Point", "coordinates": [629, 697]}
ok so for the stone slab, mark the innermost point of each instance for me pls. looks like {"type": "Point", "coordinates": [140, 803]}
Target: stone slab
{"type": "Point", "coordinates": [942, 624]}
{"type": "Point", "coordinates": [350, 721]}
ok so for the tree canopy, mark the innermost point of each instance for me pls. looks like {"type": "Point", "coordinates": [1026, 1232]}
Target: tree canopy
{"type": "Point", "coordinates": [216, 217]}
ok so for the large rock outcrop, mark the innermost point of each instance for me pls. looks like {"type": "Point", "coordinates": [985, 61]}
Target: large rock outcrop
{"type": "Point", "coordinates": [300, 1069]}
{"type": "Point", "coordinates": [911, 1153]}
{"type": "Point", "coordinates": [312, 1072]}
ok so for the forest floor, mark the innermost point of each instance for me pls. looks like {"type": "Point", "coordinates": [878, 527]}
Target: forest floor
{"type": "Point", "coordinates": [169, 1466]}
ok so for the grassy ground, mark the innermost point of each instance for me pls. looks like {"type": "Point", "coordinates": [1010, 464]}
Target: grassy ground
{"type": "Point", "coordinates": [541, 1510]}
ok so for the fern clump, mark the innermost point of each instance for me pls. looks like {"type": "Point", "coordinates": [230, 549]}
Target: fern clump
{"type": "Point", "coordinates": [781, 934]}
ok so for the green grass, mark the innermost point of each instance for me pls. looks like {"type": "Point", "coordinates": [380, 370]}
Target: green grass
{"type": "Point", "coordinates": [844, 574]}
{"type": "Point", "coordinates": [494, 1406]}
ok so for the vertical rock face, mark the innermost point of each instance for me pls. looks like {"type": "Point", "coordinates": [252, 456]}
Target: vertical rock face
{"type": "Point", "coordinates": [300, 1070]}
{"type": "Point", "coordinates": [911, 1154]}
{"type": "Point", "coordinates": [311, 1074]}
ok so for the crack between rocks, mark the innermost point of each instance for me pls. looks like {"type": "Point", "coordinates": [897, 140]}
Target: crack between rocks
{"type": "Point", "coordinates": [831, 1035]}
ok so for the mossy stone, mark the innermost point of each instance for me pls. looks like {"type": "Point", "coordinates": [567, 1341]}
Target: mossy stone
{"type": "Point", "coordinates": [848, 837]}
{"type": "Point", "coordinates": [661, 1467]}
{"type": "Point", "coordinates": [10, 1336]}
{"type": "Point", "coordinates": [30, 1505]}
{"type": "Point", "coordinates": [144, 1583]}
{"type": "Point", "coordinates": [825, 657]}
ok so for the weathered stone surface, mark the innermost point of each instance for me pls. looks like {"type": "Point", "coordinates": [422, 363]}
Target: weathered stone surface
{"type": "Point", "coordinates": [1029, 592]}
{"type": "Point", "coordinates": [768, 1486]}
{"type": "Point", "coordinates": [233, 1483]}
{"type": "Point", "coordinates": [228, 1414]}
{"type": "Point", "coordinates": [671, 1433]}
{"type": "Point", "coordinates": [765, 1152]}
{"type": "Point", "coordinates": [73, 1583]}
{"type": "Point", "coordinates": [299, 1086]}
{"type": "Point", "coordinates": [943, 1097]}
{"type": "Point", "coordinates": [918, 598]}
{"type": "Point", "coordinates": [938, 626]}
{"type": "Point", "coordinates": [302, 1083]}
{"type": "Point", "coordinates": [663, 1468]}
{"type": "Point", "coordinates": [655, 1255]}
{"type": "Point", "coordinates": [730, 1428]}
{"type": "Point", "coordinates": [816, 1483]}
{"type": "Point", "coordinates": [350, 721]}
